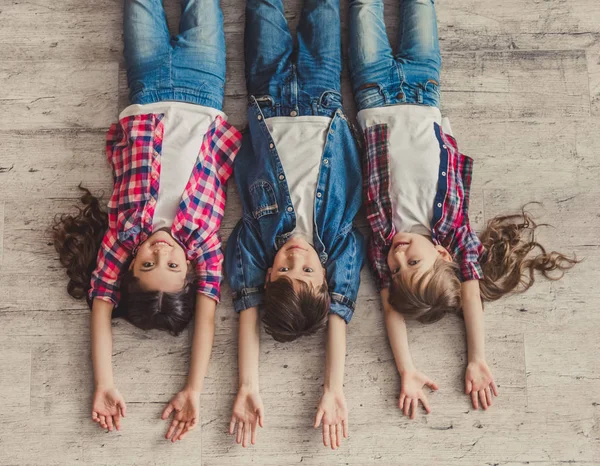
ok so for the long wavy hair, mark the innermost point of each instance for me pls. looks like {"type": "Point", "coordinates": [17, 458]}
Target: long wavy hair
{"type": "Point", "coordinates": [510, 262]}
{"type": "Point", "coordinates": [77, 239]}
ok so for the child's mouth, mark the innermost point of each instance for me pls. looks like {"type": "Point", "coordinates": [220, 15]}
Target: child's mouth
{"type": "Point", "coordinates": [161, 243]}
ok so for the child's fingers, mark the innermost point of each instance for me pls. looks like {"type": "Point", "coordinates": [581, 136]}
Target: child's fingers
{"type": "Point", "coordinates": [245, 434]}
{"type": "Point", "coordinates": [431, 384]}
{"type": "Point", "coordinates": [401, 401]}
{"type": "Point", "coordinates": [325, 435]}
{"type": "Point", "coordinates": [468, 386]}
{"type": "Point", "coordinates": [167, 411]}
{"type": "Point", "coordinates": [109, 422]}
{"type": "Point", "coordinates": [95, 416]}
{"type": "Point", "coordinates": [253, 437]}
{"type": "Point", "coordinates": [345, 426]}
{"type": "Point", "coordinates": [338, 434]}
{"type": "Point", "coordinates": [474, 400]}
{"type": "Point", "coordinates": [319, 417]}
{"type": "Point", "coordinates": [172, 426]}
{"type": "Point", "coordinates": [102, 420]}
{"type": "Point", "coordinates": [123, 407]}
{"type": "Point", "coordinates": [232, 425]}
{"type": "Point", "coordinates": [332, 437]}
{"type": "Point", "coordinates": [488, 396]}
{"type": "Point", "coordinates": [425, 404]}
{"type": "Point", "coordinates": [240, 431]}
{"type": "Point", "coordinates": [415, 406]}
{"type": "Point", "coordinates": [406, 406]}
{"type": "Point", "coordinates": [178, 430]}
{"type": "Point", "coordinates": [117, 421]}
{"type": "Point", "coordinates": [494, 389]}
{"type": "Point", "coordinates": [484, 404]}
{"type": "Point", "coordinates": [261, 417]}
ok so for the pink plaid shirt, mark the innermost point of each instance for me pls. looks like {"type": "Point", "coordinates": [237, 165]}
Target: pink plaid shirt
{"type": "Point", "coordinates": [450, 225]}
{"type": "Point", "coordinates": [133, 149]}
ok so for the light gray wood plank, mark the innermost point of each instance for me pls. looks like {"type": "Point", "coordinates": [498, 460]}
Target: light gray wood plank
{"type": "Point", "coordinates": [50, 164]}
{"type": "Point", "coordinates": [1, 232]}
{"type": "Point", "coordinates": [43, 95]}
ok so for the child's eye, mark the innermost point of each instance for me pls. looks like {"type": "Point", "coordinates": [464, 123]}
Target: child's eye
{"type": "Point", "coordinates": [173, 265]}
{"type": "Point", "coordinates": [308, 269]}
{"type": "Point", "coordinates": [413, 262]}
{"type": "Point", "coordinates": [148, 264]}
{"type": "Point", "coordinates": [283, 269]}
{"type": "Point", "coordinates": [395, 271]}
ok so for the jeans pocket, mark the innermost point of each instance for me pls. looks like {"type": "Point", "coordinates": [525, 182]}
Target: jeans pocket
{"type": "Point", "coordinates": [369, 96]}
{"type": "Point", "coordinates": [263, 200]}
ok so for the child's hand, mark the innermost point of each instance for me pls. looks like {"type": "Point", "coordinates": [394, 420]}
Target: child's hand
{"type": "Point", "coordinates": [107, 407]}
{"type": "Point", "coordinates": [411, 392]}
{"type": "Point", "coordinates": [186, 405]}
{"type": "Point", "coordinates": [334, 414]}
{"type": "Point", "coordinates": [248, 409]}
{"type": "Point", "coordinates": [479, 381]}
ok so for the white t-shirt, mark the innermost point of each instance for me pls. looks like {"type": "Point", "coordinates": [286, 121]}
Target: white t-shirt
{"type": "Point", "coordinates": [185, 126]}
{"type": "Point", "coordinates": [414, 156]}
{"type": "Point", "coordinates": [300, 142]}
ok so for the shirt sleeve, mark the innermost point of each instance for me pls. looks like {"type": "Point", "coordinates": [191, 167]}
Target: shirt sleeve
{"type": "Point", "coordinates": [106, 278]}
{"type": "Point", "coordinates": [246, 267]}
{"type": "Point", "coordinates": [209, 268]}
{"type": "Point", "coordinates": [467, 253]}
{"type": "Point", "coordinates": [343, 273]}
{"type": "Point", "coordinates": [378, 263]}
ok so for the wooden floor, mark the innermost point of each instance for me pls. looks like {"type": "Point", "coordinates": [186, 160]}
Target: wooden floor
{"type": "Point", "coordinates": [521, 84]}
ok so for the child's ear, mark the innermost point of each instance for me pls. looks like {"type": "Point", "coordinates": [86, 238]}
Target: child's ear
{"type": "Point", "coordinates": [444, 254]}
{"type": "Point", "coordinates": [268, 277]}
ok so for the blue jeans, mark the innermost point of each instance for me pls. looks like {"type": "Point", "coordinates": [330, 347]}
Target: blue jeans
{"type": "Point", "coordinates": [189, 67]}
{"type": "Point", "coordinates": [411, 75]}
{"type": "Point", "coordinates": [288, 80]}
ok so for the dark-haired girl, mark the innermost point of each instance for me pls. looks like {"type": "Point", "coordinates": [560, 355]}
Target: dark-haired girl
{"type": "Point", "coordinates": [155, 256]}
{"type": "Point", "coordinates": [426, 258]}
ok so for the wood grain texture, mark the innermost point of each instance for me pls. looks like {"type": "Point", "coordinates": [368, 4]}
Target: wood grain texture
{"type": "Point", "coordinates": [521, 82]}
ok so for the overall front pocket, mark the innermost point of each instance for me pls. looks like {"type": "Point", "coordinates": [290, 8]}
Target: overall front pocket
{"type": "Point", "coordinates": [262, 197]}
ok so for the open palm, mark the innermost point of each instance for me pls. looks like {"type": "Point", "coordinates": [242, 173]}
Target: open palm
{"type": "Point", "coordinates": [108, 406]}
{"type": "Point", "coordinates": [248, 411]}
{"type": "Point", "coordinates": [479, 383]}
{"type": "Point", "coordinates": [186, 405]}
{"type": "Point", "coordinates": [333, 412]}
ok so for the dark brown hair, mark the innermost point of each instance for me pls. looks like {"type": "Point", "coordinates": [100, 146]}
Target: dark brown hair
{"type": "Point", "coordinates": [77, 239]}
{"type": "Point", "coordinates": [507, 264]}
{"type": "Point", "coordinates": [289, 314]}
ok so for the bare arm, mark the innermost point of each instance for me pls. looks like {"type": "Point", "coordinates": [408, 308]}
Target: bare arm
{"type": "Point", "coordinates": [186, 403]}
{"type": "Point", "coordinates": [479, 381]}
{"type": "Point", "coordinates": [332, 410]}
{"type": "Point", "coordinates": [248, 409]}
{"type": "Point", "coordinates": [411, 380]}
{"type": "Point", "coordinates": [108, 405]}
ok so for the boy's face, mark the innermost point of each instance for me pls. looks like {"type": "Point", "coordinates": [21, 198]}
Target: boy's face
{"type": "Point", "coordinates": [160, 263]}
{"type": "Point", "coordinates": [412, 254]}
{"type": "Point", "coordinates": [297, 260]}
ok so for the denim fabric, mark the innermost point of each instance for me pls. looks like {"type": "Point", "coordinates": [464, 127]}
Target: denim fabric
{"type": "Point", "coordinates": [188, 67]}
{"type": "Point", "coordinates": [287, 81]}
{"type": "Point", "coordinates": [380, 77]}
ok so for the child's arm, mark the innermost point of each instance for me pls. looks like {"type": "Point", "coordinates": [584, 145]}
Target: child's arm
{"type": "Point", "coordinates": [108, 405]}
{"type": "Point", "coordinates": [478, 378]}
{"type": "Point", "coordinates": [412, 381]}
{"type": "Point", "coordinates": [186, 403]}
{"type": "Point", "coordinates": [332, 409]}
{"type": "Point", "coordinates": [248, 408]}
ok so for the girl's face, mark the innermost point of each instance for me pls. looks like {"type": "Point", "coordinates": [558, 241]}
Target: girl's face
{"type": "Point", "coordinates": [412, 254]}
{"type": "Point", "coordinates": [160, 263]}
{"type": "Point", "coordinates": [297, 260]}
